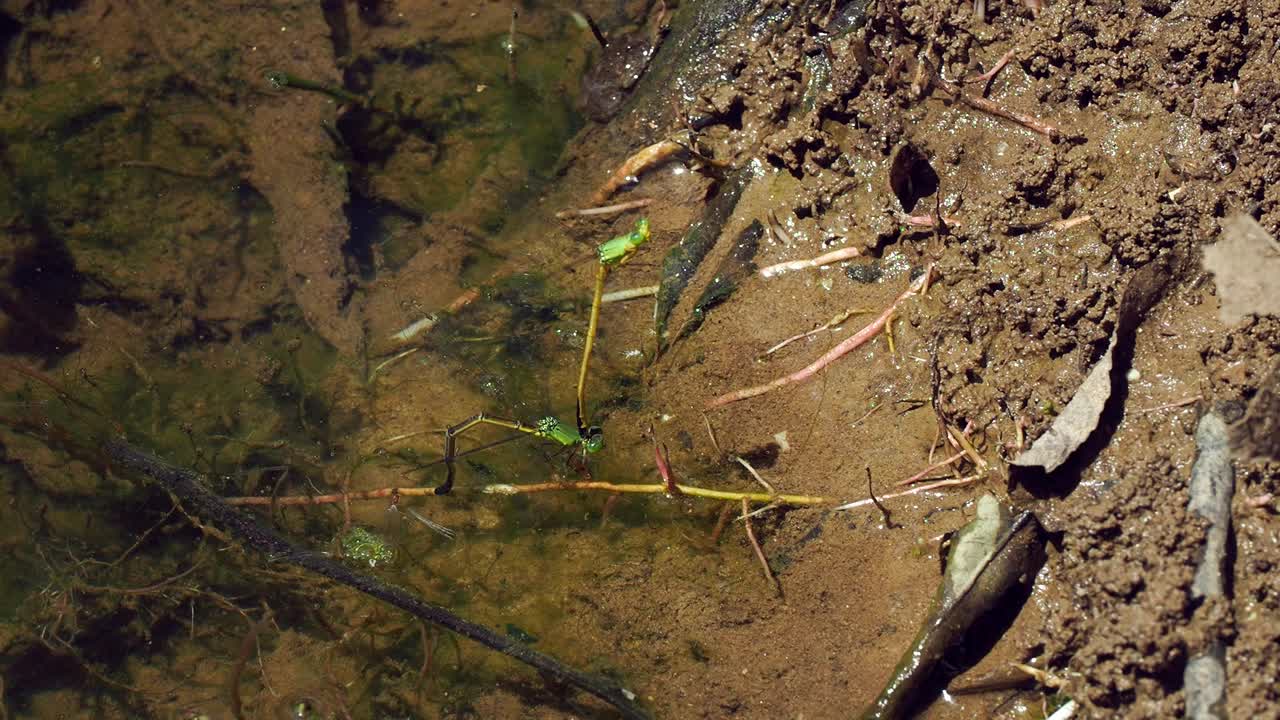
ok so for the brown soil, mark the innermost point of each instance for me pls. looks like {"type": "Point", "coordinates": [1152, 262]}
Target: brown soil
{"type": "Point", "coordinates": [1165, 117]}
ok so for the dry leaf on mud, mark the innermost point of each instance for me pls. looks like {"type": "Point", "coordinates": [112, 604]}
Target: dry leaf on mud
{"type": "Point", "coordinates": [1080, 417]}
{"type": "Point", "coordinates": [1245, 264]}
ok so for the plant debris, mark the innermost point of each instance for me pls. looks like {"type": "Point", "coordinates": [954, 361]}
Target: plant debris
{"type": "Point", "coordinates": [1080, 417]}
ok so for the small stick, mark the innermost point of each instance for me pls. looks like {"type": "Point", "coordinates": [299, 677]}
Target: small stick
{"type": "Point", "coordinates": [504, 489]}
{"type": "Point", "coordinates": [838, 319]}
{"type": "Point", "coordinates": [755, 545]}
{"type": "Point", "coordinates": [865, 415]}
{"type": "Point", "coordinates": [725, 511]}
{"type": "Point", "coordinates": [888, 522]}
{"type": "Point", "coordinates": [1069, 223]}
{"type": "Point", "coordinates": [992, 108]}
{"type": "Point", "coordinates": [606, 209]}
{"type": "Point", "coordinates": [712, 433]}
{"type": "Point", "coordinates": [839, 351]}
{"type": "Point", "coordinates": [629, 294]}
{"type": "Point", "coordinates": [754, 474]}
{"type": "Point", "coordinates": [962, 440]}
{"type": "Point", "coordinates": [1169, 406]}
{"type": "Point", "coordinates": [920, 475]}
{"type": "Point", "coordinates": [664, 468]}
{"type": "Point", "coordinates": [645, 159]}
{"type": "Point", "coordinates": [655, 489]}
{"type": "Point", "coordinates": [609, 502]}
{"type": "Point", "coordinates": [928, 222]}
{"type": "Point", "coordinates": [428, 322]}
{"type": "Point", "coordinates": [917, 489]}
{"type": "Point", "coordinates": [986, 77]}
{"type": "Point", "coordinates": [824, 259]}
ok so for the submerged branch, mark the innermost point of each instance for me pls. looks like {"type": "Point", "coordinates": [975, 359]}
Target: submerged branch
{"type": "Point", "coordinates": [189, 488]}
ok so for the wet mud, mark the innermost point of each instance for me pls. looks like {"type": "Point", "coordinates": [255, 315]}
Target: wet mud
{"type": "Point", "coordinates": [252, 281]}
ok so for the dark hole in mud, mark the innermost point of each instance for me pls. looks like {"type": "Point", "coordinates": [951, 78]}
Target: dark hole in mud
{"type": "Point", "coordinates": [911, 176]}
{"type": "Point", "coordinates": [762, 456]}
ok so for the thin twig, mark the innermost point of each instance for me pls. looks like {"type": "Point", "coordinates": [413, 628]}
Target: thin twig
{"type": "Point", "coordinates": [606, 209]}
{"type": "Point", "coordinates": [628, 294]}
{"type": "Point", "coordinates": [986, 77]}
{"type": "Point", "coordinates": [1169, 406]}
{"type": "Point", "coordinates": [888, 522]}
{"type": "Point", "coordinates": [992, 108]}
{"type": "Point", "coordinates": [653, 489]}
{"type": "Point", "coordinates": [664, 467]}
{"type": "Point", "coordinates": [962, 440]}
{"type": "Point", "coordinates": [725, 511]}
{"type": "Point", "coordinates": [928, 222]}
{"type": "Point", "coordinates": [755, 545]}
{"type": "Point", "coordinates": [824, 259]}
{"type": "Point", "coordinates": [712, 433]}
{"type": "Point", "coordinates": [839, 351]}
{"type": "Point", "coordinates": [917, 489]}
{"type": "Point", "coordinates": [920, 475]}
{"type": "Point", "coordinates": [754, 474]}
{"type": "Point", "coordinates": [837, 320]}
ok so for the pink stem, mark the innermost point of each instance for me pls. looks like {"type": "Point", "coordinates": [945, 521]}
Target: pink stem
{"type": "Point", "coordinates": [920, 475]}
{"type": "Point", "coordinates": [837, 352]}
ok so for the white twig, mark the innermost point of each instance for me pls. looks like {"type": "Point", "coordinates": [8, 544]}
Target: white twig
{"type": "Point", "coordinates": [824, 259]}
{"type": "Point", "coordinates": [917, 489]}
{"type": "Point", "coordinates": [755, 474]}
{"type": "Point", "coordinates": [629, 294]}
{"type": "Point", "coordinates": [606, 210]}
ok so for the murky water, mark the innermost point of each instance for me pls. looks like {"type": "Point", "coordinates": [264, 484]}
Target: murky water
{"type": "Point", "coordinates": [148, 295]}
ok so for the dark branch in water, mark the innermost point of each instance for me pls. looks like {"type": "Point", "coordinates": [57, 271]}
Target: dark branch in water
{"type": "Point", "coordinates": [189, 488]}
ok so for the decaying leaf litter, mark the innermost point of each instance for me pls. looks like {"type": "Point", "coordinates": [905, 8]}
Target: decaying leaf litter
{"type": "Point", "coordinates": [980, 367]}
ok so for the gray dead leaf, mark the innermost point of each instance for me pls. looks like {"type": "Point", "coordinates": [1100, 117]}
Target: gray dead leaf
{"type": "Point", "coordinates": [1080, 417]}
{"type": "Point", "coordinates": [1245, 263]}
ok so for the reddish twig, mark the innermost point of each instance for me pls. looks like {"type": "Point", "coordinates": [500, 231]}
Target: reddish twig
{"type": "Point", "coordinates": [986, 77]}
{"type": "Point", "coordinates": [837, 320]}
{"type": "Point", "coordinates": [837, 352]}
{"type": "Point", "coordinates": [755, 545]}
{"type": "Point", "coordinates": [664, 468]}
{"type": "Point", "coordinates": [721, 521]}
{"type": "Point", "coordinates": [992, 108]}
{"type": "Point", "coordinates": [920, 475]}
